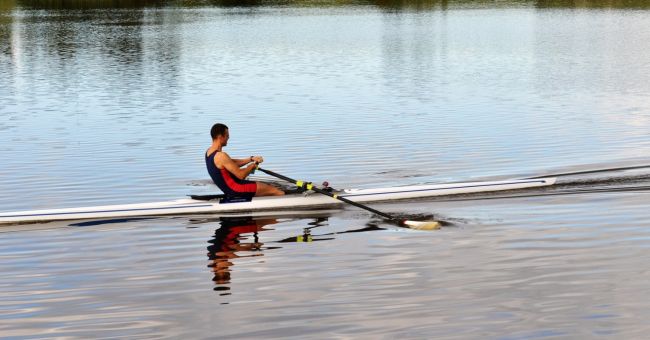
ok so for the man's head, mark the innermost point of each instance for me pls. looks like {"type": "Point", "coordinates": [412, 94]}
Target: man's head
{"type": "Point", "coordinates": [220, 131]}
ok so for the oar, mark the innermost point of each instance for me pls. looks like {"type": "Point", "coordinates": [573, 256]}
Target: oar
{"type": "Point", "coordinates": [425, 225]}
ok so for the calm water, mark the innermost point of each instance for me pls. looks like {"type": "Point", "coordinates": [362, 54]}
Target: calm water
{"type": "Point", "coordinates": [103, 105]}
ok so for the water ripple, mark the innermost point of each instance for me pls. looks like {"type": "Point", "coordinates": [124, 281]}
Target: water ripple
{"type": "Point", "coordinates": [107, 106]}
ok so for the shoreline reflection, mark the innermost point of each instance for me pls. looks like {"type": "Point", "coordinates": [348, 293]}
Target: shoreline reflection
{"type": "Point", "coordinates": [390, 5]}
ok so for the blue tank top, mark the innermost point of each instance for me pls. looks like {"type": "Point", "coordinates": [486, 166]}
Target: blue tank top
{"type": "Point", "coordinates": [227, 182]}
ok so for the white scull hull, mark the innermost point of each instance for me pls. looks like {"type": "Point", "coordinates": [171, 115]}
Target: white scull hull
{"type": "Point", "coordinates": [312, 200]}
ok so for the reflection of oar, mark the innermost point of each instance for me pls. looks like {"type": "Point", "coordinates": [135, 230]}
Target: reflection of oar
{"type": "Point", "coordinates": [426, 225]}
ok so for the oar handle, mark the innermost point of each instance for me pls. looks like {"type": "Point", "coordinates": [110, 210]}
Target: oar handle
{"type": "Point", "coordinates": [275, 174]}
{"type": "Point", "coordinates": [309, 186]}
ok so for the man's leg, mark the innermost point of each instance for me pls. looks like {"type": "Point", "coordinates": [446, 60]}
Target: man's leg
{"type": "Point", "coordinates": [264, 189]}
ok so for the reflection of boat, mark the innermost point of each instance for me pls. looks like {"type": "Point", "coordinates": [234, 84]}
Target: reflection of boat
{"type": "Point", "coordinates": [216, 203]}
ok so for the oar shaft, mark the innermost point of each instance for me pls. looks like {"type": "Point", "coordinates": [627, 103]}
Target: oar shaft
{"type": "Point", "coordinates": [320, 191]}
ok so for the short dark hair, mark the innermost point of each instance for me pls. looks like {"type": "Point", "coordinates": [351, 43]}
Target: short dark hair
{"type": "Point", "coordinates": [218, 130]}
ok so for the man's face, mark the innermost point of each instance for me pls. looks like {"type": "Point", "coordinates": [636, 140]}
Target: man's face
{"type": "Point", "coordinates": [225, 137]}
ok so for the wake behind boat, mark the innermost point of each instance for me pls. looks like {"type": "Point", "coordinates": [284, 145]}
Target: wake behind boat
{"type": "Point", "coordinates": [216, 204]}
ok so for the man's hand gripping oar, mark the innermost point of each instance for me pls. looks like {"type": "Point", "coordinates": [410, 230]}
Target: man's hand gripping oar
{"type": "Point", "coordinates": [419, 225]}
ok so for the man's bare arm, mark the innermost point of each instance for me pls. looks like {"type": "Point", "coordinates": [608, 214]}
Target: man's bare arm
{"type": "Point", "coordinates": [233, 166]}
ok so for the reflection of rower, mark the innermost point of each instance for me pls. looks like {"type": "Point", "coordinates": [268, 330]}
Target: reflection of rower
{"type": "Point", "coordinates": [228, 243]}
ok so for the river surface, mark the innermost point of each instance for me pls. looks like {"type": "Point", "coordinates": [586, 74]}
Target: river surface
{"type": "Point", "coordinates": [112, 102]}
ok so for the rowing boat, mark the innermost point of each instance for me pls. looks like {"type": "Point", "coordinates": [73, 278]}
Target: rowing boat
{"type": "Point", "coordinates": [216, 204]}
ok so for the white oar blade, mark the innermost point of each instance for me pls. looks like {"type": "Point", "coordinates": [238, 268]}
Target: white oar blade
{"type": "Point", "coordinates": [426, 225]}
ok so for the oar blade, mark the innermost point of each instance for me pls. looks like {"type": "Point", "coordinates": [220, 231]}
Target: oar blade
{"type": "Point", "coordinates": [423, 225]}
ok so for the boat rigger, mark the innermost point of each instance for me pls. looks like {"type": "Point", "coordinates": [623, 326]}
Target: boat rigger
{"type": "Point", "coordinates": [217, 205]}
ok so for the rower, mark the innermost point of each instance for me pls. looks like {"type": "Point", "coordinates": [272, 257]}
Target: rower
{"type": "Point", "coordinates": [230, 174]}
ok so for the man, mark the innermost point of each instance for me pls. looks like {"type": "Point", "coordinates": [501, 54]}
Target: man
{"type": "Point", "coordinates": [229, 174]}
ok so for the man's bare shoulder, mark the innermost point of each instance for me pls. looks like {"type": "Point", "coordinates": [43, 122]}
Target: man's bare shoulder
{"type": "Point", "coordinates": [222, 155]}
